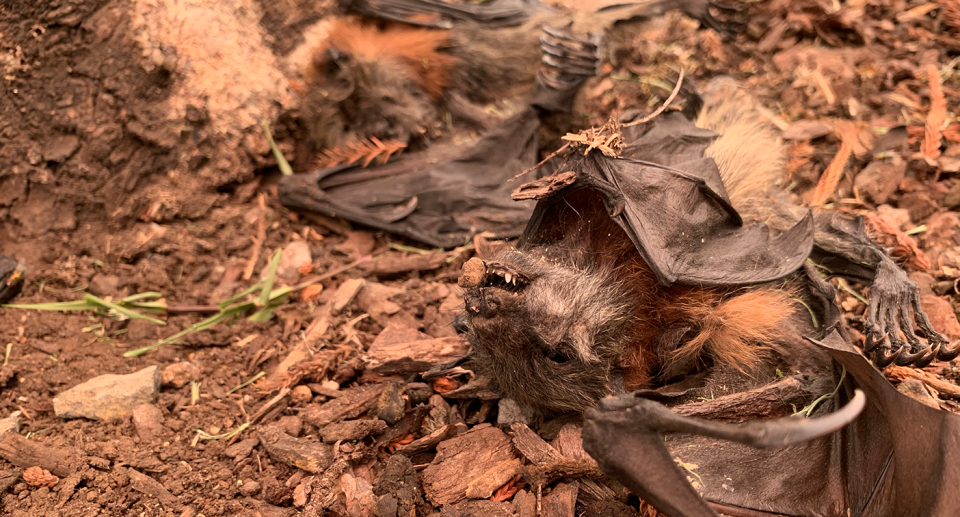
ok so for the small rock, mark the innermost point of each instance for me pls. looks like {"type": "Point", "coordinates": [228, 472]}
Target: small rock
{"type": "Point", "coordinates": [924, 280]}
{"type": "Point", "coordinates": [510, 412]}
{"type": "Point", "coordinates": [391, 406]}
{"type": "Point", "coordinates": [806, 130]}
{"type": "Point", "coordinates": [11, 423]}
{"type": "Point", "coordinates": [919, 205]}
{"type": "Point", "coordinates": [917, 390]}
{"type": "Point", "coordinates": [290, 424]}
{"type": "Point", "coordinates": [109, 397]}
{"type": "Point", "coordinates": [301, 395]}
{"type": "Point", "coordinates": [61, 148]}
{"type": "Point", "coordinates": [177, 375]}
{"type": "Point", "coordinates": [296, 254]}
{"type": "Point", "coordinates": [418, 392]}
{"type": "Point", "coordinates": [352, 430]}
{"type": "Point", "coordinates": [104, 285]}
{"type": "Point", "coordinates": [880, 179]}
{"type": "Point", "coordinates": [942, 316]}
{"type": "Point", "coordinates": [241, 449]}
{"type": "Point", "coordinates": [149, 421]}
{"type": "Point", "coordinates": [249, 488]}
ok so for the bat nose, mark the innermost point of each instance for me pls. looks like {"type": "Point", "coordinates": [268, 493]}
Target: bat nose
{"type": "Point", "coordinates": [480, 304]}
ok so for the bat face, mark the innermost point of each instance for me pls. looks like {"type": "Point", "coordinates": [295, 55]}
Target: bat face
{"type": "Point", "coordinates": [547, 329]}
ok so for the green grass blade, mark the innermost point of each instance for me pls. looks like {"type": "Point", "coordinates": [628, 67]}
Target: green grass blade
{"type": "Point", "coordinates": [282, 162]}
{"type": "Point", "coordinates": [149, 295]}
{"type": "Point", "coordinates": [78, 305]}
{"type": "Point", "coordinates": [264, 299]}
{"type": "Point", "coordinates": [122, 310]}
{"type": "Point", "coordinates": [201, 325]}
{"type": "Point", "coordinates": [241, 294]}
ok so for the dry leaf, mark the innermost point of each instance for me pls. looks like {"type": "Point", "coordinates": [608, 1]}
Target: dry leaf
{"type": "Point", "coordinates": [310, 292]}
{"type": "Point", "coordinates": [36, 476]}
{"type": "Point", "coordinates": [935, 118]}
{"type": "Point", "coordinates": [445, 385]}
{"type": "Point", "coordinates": [397, 442]}
{"type": "Point", "coordinates": [305, 269]}
{"type": "Point", "coordinates": [508, 490]}
{"type": "Point", "coordinates": [362, 151]}
{"type": "Point", "coordinates": [847, 132]}
{"type": "Point", "coordinates": [903, 246]}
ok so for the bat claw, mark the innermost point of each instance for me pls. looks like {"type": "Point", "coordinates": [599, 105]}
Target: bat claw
{"type": "Point", "coordinates": [908, 359]}
{"type": "Point", "coordinates": [881, 359]}
{"type": "Point", "coordinates": [948, 354]}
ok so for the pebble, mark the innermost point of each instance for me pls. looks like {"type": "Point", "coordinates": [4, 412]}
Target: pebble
{"type": "Point", "coordinates": [148, 420]}
{"type": "Point", "coordinates": [249, 488]}
{"type": "Point", "coordinates": [177, 375]}
{"type": "Point", "coordinates": [290, 424]}
{"type": "Point", "coordinates": [301, 395]}
{"type": "Point", "coordinates": [11, 423]}
{"type": "Point", "coordinates": [296, 254]}
{"type": "Point", "coordinates": [104, 285]}
{"type": "Point", "coordinates": [241, 449]}
{"type": "Point", "coordinates": [109, 397]}
{"type": "Point", "coordinates": [391, 406]}
{"type": "Point", "coordinates": [510, 412]}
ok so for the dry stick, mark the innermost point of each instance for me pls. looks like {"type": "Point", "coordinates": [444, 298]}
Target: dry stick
{"type": "Point", "coordinates": [257, 241]}
{"type": "Point", "coordinates": [187, 309]}
{"type": "Point", "coordinates": [545, 160]}
{"type": "Point", "coordinates": [673, 95]}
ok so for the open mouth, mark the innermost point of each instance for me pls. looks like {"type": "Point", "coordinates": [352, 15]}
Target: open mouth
{"type": "Point", "coordinates": [504, 277]}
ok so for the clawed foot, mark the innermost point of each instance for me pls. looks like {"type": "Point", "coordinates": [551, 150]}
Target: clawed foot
{"type": "Point", "coordinates": [567, 59]}
{"type": "Point", "coordinates": [889, 329]}
{"type": "Point", "coordinates": [701, 10]}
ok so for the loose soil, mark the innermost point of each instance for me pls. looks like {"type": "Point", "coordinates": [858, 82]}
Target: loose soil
{"type": "Point", "coordinates": [100, 192]}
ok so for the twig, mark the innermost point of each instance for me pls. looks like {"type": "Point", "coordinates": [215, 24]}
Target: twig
{"type": "Point", "coordinates": [673, 95]}
{"type": "Point", "coordinates": [258, 240]}
{"type": "Point", "coordinates": [545, 160]}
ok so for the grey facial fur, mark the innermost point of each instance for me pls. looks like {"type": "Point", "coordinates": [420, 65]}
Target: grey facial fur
{"type": "Point", "coordinates": [547, 329]}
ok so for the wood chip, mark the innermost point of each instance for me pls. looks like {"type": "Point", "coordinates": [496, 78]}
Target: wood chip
{"type": "Point", "coordinates": [461, 461]}
{"type": "Point", "coordinates": [27, 453]}
{"type": "Point", "coordinates": [351, 403]}
{"type": "Point", "coordinates": [414, 356]}
{"type": "Point", "coordinates": [560, 502]}
{"type": "Point", "coordinates": [532, 447]}
{"type": "Point", "coordinates": [297, 452]}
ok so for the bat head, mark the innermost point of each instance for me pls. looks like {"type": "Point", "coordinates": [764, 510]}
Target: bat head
{"type": "Point", "coordinates": [545, 327]}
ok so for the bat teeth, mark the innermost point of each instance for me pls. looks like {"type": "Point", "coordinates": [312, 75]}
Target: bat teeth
{"type": "Point", "coordinates": [508, 277]}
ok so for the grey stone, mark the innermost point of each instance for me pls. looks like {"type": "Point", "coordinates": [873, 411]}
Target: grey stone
{"type": "Point", "coordinates": [11, 423]}
{"type": "Point", "coordinates": [109, 397]}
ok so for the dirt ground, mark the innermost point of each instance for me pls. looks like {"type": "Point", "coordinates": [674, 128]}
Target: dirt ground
{"type": "Point", "coordinates": [102, 192]}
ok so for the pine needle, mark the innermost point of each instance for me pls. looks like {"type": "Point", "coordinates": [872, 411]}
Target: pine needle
{"type": "Point", "coordinates": [935, 118]}
{"type": "Point", "coordinates": [364, 151]}
{"type": "Point", "coordinates": [827, 185]}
